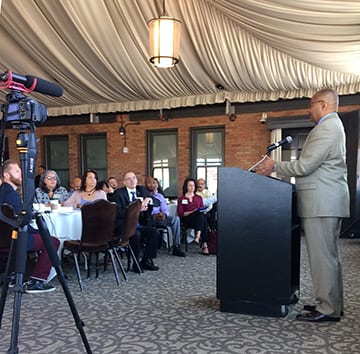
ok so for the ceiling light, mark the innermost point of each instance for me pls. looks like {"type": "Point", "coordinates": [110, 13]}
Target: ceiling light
{"type": "Point", "coordinates": [164, 39]}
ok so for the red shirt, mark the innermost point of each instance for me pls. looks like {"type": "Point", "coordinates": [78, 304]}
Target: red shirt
{"type": "Point", "coordinates": [184, 204]}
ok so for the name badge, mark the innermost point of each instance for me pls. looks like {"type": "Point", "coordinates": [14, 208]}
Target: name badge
{"type": "Point", "coordinates": [184, 201]}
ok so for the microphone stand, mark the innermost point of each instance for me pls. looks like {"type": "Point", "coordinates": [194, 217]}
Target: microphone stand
{"type": "Point", "coordinates": [270, 148]}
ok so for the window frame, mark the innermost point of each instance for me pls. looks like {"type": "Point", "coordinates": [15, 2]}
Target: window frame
{"type": "Point", "coordinates": [64, 173]}
{"type": "Point", "coordinates": [151, 134]}
{"type": "Point", "coordinates": [83, 140]}
{"type": "Point", "coordinates": [195, 132]}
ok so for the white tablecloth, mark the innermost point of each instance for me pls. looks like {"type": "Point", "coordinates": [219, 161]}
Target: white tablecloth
{"type": "Point", "coordinates": [64, 225]}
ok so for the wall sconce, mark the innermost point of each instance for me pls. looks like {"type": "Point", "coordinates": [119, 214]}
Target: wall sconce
{"type": "Point", "coordinates": [122, 129]}
{"type": "Point", "coordinates": [164, 39]}
{"type": "Point", "coordinates": [122, 132]}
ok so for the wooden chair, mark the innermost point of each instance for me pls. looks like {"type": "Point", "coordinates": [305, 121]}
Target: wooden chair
{"type": "Point", "coordinates": [5, 228]}
{"type": "Point", "coordinates": [128, 230]}
{"type": "Point", "coordinates": [98, 219]}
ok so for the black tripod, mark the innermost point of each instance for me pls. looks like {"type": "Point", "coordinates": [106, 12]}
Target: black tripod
{"type": "Point", "coordinates": [18, 248]}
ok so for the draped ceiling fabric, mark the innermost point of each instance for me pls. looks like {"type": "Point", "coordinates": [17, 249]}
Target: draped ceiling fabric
{"type": "Point", "coordinates": [97, 50]}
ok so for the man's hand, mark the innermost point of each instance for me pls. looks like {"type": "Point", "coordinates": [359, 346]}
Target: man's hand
{"type": "Point", "coordinates": [145, 204]}
{"type": "Point", "coordinates": [160, 216]}
{"type": "Point", "coordinates": [266, 167]}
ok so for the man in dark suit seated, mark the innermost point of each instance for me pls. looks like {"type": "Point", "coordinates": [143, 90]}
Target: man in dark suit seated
{"type": "Point", "coordinates": [123, 197]}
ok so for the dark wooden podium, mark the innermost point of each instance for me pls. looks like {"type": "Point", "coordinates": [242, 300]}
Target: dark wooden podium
{"type": "Point", "coordinates": [258, 258]}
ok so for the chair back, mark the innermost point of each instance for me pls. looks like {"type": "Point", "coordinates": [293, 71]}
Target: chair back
{"type": "Point", "coordinates": [5, 228]}
{"type": "Point", "coordinates": [98, 219]}
{"type": "Point", "coordinates": [130, 221]}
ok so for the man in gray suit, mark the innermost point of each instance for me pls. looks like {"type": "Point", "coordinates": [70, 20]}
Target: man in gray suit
{"type": "Point", "coordinates": [323, 200]}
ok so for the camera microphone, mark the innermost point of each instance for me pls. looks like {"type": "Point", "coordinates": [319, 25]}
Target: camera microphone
{"type": "Point", "coordinates": [30, 83]}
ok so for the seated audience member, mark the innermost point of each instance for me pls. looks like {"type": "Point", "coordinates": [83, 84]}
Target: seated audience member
{"type": "Point", "coordinates": [75, 185]}
{"type": "Point", "coordinates": [103, 185]}
{"type": "Point", "coordinates": [123, 197]}
{"type": "Point", "coordinates": [188, 208]}
{"type": "Point", "coordinates": [161, 216]}
{"type": "Point", "coordinates": [50, 189]}
{"type": "Point", "coordinates": [41, 171]}
{"type": "Point", "coordinates": [113, 183]}
{"type": "Point", "coordinates": [89, 191]}
{"type": "Point", "coordinates": [11, 182]}
{"type": "Point", "coordinates": [209, 200]}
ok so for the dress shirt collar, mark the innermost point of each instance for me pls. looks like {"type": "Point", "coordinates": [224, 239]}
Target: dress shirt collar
{"type": "Point", "coordinates": [324, 117]}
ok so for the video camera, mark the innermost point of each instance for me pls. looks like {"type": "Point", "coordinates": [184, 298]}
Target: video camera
{"type": "Point", "coordinates": [21, 111]}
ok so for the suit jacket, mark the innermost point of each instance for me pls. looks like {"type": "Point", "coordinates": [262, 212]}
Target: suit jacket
{"type": "Point", "coordinates": [321, 171]}
{"type": "Point", "coordinates": [121, 198]}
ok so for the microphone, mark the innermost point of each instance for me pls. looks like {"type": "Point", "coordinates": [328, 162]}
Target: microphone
{"type": "Point", "coordinates": [31, 83]}
{"type": "Point", "coordinates": [287, 140]}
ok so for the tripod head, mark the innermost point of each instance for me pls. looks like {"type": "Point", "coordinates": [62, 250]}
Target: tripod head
{"type": "Point", "coordinates": [22, 113]}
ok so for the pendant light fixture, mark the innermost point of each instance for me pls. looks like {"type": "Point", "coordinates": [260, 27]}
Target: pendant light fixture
{"type": "Point", "coordinates": [164, 38]}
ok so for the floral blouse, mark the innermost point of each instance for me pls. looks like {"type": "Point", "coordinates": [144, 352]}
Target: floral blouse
{"type": "Point", "coordinates": [60, 194]}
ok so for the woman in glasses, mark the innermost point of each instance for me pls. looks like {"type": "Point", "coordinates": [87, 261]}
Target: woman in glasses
{"type": "Point", "coordinates": [50, 189]}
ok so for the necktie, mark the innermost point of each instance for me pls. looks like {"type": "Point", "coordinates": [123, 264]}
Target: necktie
{"type": "Point", "coordinates": [133, 196]}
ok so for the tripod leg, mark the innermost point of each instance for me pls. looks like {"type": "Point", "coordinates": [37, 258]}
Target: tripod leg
{"type": "Point", "coordinates": [9, 267]}
{"type": "Point", "coordinates": [50, 249]}
{"type": "Point", "coordinates": [20, 266]}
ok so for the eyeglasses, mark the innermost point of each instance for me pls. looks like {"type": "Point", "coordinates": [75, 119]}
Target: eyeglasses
{"type": "Point", "coordinates": [133, 178]}
{"type": "Point", "coordinates": [313, 102]}
{"type": "Point", "coordinates": [51, 178]}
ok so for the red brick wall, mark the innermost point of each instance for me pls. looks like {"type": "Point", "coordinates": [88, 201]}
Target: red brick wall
{"type": "Point", "coordinates": [245, 141]}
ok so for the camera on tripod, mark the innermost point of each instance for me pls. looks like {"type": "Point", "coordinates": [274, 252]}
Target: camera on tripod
{"type": "Point", "coordinates": [21, 111]}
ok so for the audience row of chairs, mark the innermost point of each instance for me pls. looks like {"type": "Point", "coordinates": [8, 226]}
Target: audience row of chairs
{"type": "Point", "coordinates": [98, 219]}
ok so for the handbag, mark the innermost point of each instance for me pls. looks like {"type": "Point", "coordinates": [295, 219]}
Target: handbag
{"type": "Point", "coordinates": [212, 245]}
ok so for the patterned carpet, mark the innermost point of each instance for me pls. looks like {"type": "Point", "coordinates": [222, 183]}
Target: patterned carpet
{"type": "Point", "coordinates": [175, 311]}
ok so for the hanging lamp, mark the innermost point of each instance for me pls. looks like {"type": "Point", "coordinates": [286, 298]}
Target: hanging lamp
{"type": "Point", "coordinates": [164, 39]}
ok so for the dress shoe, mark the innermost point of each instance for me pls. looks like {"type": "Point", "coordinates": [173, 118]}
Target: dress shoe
{"type": "Point", "coordinates": [205, 251]}
{"type": "Point", "coordinates": [312, 308]}
{"type": "Point", "coordinates": [178, 252]}
{"type": "Point", "coordinates": [148, 264]}
{"type": "Point", "coordinates": [316, 316]}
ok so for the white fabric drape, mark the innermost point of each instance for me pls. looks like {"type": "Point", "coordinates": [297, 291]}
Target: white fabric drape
{"type": "Point", "coordinates": [97, 50]}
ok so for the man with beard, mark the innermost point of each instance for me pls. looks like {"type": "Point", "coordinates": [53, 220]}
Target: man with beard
{"type": "Point", "coordinates": [8, 194]}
